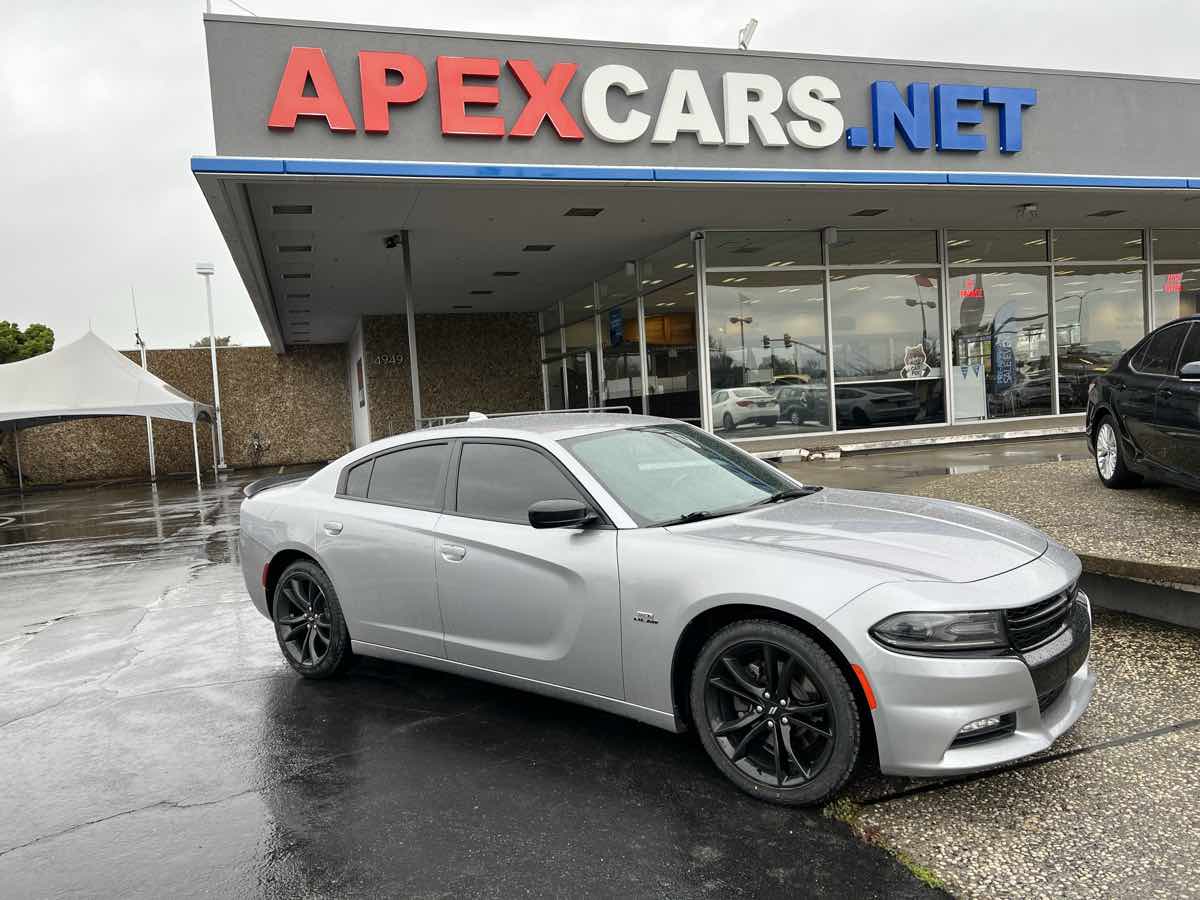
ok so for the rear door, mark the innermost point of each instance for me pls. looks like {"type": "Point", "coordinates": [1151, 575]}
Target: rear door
{"type": "Point", "coordinates": [539, 603]}
{"type": "Point", "coordinates": [378, 545]}
{"type": "Point", "coordinates": [1177, 415]}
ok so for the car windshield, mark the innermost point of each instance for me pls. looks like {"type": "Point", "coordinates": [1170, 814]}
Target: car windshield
{"type": "Point", "coordinates": [665, 474]}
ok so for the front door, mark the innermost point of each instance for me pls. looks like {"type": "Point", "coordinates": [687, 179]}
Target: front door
{"type": "Point", "coordinates": [542, 604]}
{"type": "Point", "coordinates": [378, 544]}
{"type": "Point", "coordinates": [1138, 389]}
{"type": "Point", "coordinates": [1177, 416]}
{"type": "Point", "coordinates": [572, 380]}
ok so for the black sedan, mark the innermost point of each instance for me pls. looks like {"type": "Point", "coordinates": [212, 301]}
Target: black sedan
{"type": "Point", "coordinates": [1143, 415]}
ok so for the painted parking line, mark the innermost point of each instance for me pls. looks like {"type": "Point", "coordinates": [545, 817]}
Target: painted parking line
{"type": "Point", "coordinates": [1185, 725]}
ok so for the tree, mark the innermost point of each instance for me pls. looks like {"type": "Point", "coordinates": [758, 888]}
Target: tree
{"type": "Point", "coordinates": [16, 344]}
{"type": "Point", "coordinates": [225, 341]}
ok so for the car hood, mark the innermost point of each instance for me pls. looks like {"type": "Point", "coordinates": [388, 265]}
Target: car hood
{"type": "Point", "coordinates": [913, 538]}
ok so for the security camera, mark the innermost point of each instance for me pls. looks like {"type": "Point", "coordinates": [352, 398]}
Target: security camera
{"type": "Point", "coordinates": [392, 241]}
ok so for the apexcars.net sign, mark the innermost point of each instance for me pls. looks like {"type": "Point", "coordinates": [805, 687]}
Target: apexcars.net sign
{"type": "Point", "coordinates": [754, 106]}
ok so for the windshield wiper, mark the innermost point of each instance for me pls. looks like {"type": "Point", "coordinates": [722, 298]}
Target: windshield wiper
{"type": "Point", "coordinates": [698, 515]}
{"type": "Point", "coordinates": [789, 494]}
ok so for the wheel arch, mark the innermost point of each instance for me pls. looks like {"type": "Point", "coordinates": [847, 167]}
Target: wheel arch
{"type": "Point", "coordinates": [709, 621]}
{"type": "Point", "coordinates": [278, 565]}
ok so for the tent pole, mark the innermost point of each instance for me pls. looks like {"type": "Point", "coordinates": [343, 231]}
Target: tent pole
{"type": "Point", "coordinates": [150, 449]}
{"type": "Point", "coordinates": [216, 466]}
{"type": "Point", "coordinates": [196, 452]}
{"type": "Point", "coordinates": [17, 445]}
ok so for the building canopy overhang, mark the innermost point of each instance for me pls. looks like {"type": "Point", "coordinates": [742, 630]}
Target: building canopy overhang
{"type": "Point", "coordinates": [318, 166]}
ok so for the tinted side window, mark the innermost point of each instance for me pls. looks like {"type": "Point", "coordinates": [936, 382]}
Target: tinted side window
{"type": "Point", "coordinates": [1162, 351]}
{"type": "Point", "coordinates": [1191, 347]}
{"type": "Point", "coordinates": [501, 481]}
{"type": "Point", "coordinates": [413, 477]}
{"type": "Point", "coordinates": [358, 479]}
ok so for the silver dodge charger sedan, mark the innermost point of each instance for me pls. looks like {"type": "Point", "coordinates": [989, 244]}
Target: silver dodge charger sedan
{"type": "Point", "coordinates": [647, 568]}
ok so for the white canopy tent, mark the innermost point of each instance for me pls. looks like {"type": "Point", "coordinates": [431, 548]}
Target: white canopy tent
{"type": "Point", "coordinates": [85, 379]}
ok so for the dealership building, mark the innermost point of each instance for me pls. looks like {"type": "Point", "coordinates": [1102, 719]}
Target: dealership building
{"type": "Point", "coordinates": [771, 246]}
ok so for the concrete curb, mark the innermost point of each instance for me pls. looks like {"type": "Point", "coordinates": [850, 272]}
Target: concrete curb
{"type": "Point", "coordinates": [1173, 604]}
{"type": "Point", "coordinates": [904, 443]}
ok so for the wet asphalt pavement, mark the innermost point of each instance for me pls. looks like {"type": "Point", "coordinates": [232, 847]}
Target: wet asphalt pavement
{"type": "Point", "coordinates": [155, 744]}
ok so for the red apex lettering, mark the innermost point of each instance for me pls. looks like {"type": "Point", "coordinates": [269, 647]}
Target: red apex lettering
{"type": "Point", "coordinates": [378, 95]}
{"type": "Point", "coordinates": [305, 63]}
{"type": "Point", "coordinates": [545, 100]}
{"type": "Point", "coordinates": [455, 96]}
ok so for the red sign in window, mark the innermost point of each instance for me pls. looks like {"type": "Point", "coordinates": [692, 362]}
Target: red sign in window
{"type": "Point", "coordinates": [969, 291]}
{"type": "Point", "coordinates": [1174, 283]}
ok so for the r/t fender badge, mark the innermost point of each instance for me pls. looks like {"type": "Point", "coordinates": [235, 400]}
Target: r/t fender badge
{"type": "Point", "coordinates": [647, 617]}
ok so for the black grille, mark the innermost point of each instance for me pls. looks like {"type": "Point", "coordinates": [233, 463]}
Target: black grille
{"type": "Point", "coordinates": [1034, 625]}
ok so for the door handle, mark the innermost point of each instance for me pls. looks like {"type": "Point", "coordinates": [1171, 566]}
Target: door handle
{"type": "Point", "coordinates": [453, 553]}
{"type": "Point", "coordinates": [1166, 393]}
{"type": "Point", "coordinates": [1119, 385]}
{"type": "Point", "coordinates": [333, 528]}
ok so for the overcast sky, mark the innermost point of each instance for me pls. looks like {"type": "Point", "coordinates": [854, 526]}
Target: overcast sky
{"type": "Point", "coordinates": [103, 104]}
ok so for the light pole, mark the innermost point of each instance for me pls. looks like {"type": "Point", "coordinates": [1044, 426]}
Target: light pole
{"type": "Point", "coordinates": [205, 270]}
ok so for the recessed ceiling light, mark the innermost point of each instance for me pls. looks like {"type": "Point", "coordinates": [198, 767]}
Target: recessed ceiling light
{"type": "Point", "coordinates": [298, 311]}
{"type": "Point", "coordinates": [296, 322]}
{"type": "Point", "coordinates": [298, 296]}
{"type": "Point", "coordinates": [505, 274]}
{"type": "Point", "coordinates": [295, 248]}
{"type": "Point", "coordinates": [869, 212]}
{"type": "Point", "coordinates": [1105, 213]}
{"type": "Point", "coordinates": [292, 209]}
{"type": "Point", "coordinates": [292, 275]}
{"type": "Point", "coordinates": [481, 292]}
{"type": "Point", "coordinates": [463, 306]}
{"type": "Point", "coordinates": [583, 211]}
{"type": "Point", "coordinates": [538, 248]}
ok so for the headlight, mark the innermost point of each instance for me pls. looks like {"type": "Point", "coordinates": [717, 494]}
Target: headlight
{"type": "Point", "coordinates": [936, 632]}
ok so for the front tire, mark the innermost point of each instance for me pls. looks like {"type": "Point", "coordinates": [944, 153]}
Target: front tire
{"type": "Point", "coordinates": [1110, 460]}
{"type": "Point", "coordinates": [727, 422]}
{"type": "Point", "coordinates": [309, 624]}
{"type": "Point", "coordinates": [774, 713]}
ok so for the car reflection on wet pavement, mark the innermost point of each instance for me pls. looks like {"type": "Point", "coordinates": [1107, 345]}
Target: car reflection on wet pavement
{"type": "Point", "coordinates": [156, 744]}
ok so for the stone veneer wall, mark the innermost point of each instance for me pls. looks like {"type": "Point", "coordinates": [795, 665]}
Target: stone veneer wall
{"type": "Point", "coordinates": [487, 362]}
{"type": "Point", "coordinates": [299, 402]}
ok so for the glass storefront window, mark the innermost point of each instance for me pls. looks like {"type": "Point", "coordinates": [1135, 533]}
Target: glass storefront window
{"type": "Point", "coordinates": [1098, 315]}
{"type": "Point", "coordinates": [749, 249]}
{"type": "Point", "coordinates": [582, 376]}
{"type": "Point", "coordinates": [617, 288]}
{"type": "Point", "coordinates": [887, 404]}
{"type": "Point", "coordinates": [882, 248]}
{"type": "Point", "coordinates": [668, 266]}
{"type": "Point", "coordinates": [1176, 243]}
{"type": "Point", "coordinates": [673, 374]}
{"type": "Point", "coordinates": [1098, 244]}
{"type": "Point", "coordinates": [550, 320]}
{"type": "Point", "coordinates": [622, 356]}
{"type": "Point", "coordinates": [1000, 334]}
{"type": "Point", "coordinates": [967, 247]}
{"type": "Point", "coordinates": [579, 304]}
{"type": "Point", "coordinates": [1176, 292]}
{"type": "Point", "coordinates": [886, 324]}
{"type": "Point", "coordinates": [766, 330]}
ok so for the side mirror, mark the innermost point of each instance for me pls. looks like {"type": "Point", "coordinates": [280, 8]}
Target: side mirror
{"type": "Point", "coordinates": [560, 514]}
{"type": "Point", "coordinates": [1190, 371]}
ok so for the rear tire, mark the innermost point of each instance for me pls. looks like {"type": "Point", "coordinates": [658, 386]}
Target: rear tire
{"type": "Point", "coordinates": [1110, 459]}
{"type": "Point", "coordinates": [727, 422]}
{"type": "Point", "coordinates": [775, 713]}
{"type": "Point", "coordinates": [309, 624]}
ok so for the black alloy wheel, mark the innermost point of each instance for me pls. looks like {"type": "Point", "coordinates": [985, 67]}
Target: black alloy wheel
{"type": "Point", "coordinates": [794, 416]}
{"type": "Point", "coordinates": [308, 622]}
{"type": "Point", "coordinates": [775, 713]}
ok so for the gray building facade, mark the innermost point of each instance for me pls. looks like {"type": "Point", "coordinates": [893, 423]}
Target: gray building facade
{"type": "Point", "coordinates": [768, 245]}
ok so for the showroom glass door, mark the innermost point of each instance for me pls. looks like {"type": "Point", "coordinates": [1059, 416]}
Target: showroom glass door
{"type": "Point", "coordinates": [572, 380]}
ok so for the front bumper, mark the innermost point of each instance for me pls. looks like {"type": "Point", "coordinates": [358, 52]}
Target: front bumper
{"type": "Point", "coordinates": [923, 701]}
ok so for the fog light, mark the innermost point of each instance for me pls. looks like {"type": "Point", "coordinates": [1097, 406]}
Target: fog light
{"type": "Point", "coordinates": [980, 724]}
{"type": "Point", "coordinates": [985, 729]}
